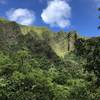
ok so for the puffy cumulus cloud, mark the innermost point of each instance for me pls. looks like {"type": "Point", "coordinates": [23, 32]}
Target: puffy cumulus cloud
{"type": "Point", "coordinates": [22, 16]}
{"type": "Point", "coordinates": [57, 13]}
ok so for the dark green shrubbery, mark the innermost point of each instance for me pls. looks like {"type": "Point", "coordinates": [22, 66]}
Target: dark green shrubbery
{"type": "Point", "coordinates": [28, 77]}
{"type": "Point", "coordinates": [31, 70]}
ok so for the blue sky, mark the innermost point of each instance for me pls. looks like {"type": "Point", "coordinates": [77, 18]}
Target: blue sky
{"type": "Point", "coordinates": [79, 15]}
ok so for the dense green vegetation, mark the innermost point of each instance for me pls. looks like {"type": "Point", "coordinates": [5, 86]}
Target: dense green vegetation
{"type": "Point", "coordinates": [41, 65]}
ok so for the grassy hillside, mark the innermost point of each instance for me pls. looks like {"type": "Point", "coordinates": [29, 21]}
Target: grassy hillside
{"type": "Point", "coordinates": [38, 64]}
{"type": "Point", "coordinates": [57, 41]}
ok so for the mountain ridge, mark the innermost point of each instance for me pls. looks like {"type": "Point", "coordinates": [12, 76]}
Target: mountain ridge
{"type": "Point", "coordinates": [58, 41]}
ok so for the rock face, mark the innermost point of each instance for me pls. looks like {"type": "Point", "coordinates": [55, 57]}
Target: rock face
{"type": "Point", "coordinates": [63, 42]}
{"type": "Point", "coordinates": [60, 42]}
{"type": "Point", "coordinates": [71, 38]}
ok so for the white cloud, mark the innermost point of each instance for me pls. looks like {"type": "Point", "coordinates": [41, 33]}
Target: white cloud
{"type": "Point", "coordinates": [22, 16]}
{"type": "Point", "coordinates": [57, 13]}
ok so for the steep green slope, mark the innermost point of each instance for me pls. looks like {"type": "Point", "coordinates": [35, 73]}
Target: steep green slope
{"type": "Point", "coordinates": [13, 39]}
{"type": "Point", "coordinates": [31, 67]}
{"type": "Point", "coordinates": [58, 42]}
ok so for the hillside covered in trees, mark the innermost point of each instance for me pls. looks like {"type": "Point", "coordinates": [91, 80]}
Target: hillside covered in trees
{"type": "Point", "coordinates": [38, 64]}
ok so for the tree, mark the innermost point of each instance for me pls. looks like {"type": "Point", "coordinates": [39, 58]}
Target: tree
{"type": "Point", "coordinates": [80, 46]}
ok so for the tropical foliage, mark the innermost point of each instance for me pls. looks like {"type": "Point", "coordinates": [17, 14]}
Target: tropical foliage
{"type": "Point", "coordinates": [31, 68]}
